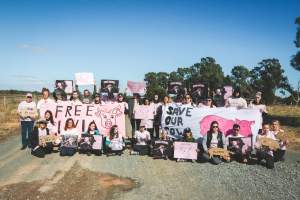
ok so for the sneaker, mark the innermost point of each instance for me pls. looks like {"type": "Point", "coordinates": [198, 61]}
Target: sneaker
{"type": "Point", "coordinates": [134, 153]}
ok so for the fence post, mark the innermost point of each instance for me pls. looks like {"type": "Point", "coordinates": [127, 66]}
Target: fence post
{"type": "Point", "coordinates": [4, 102]}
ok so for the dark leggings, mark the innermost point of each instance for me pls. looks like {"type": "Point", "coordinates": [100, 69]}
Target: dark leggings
{"type": "Point", "coordinates": [279, 155]}
{"type": "Point", "coordinates": [261, 154]}
{"type": "Point", "coordinates": [67, 151]}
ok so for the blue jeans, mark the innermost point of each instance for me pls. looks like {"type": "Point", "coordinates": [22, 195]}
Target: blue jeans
{"type": "Point", "coordinates": [26, 131]}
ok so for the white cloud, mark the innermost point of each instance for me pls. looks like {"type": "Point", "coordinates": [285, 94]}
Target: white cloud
{"type": "Point", "coordinates": [36, 49]}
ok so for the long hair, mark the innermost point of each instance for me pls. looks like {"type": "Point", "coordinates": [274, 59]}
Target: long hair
{"type": "Point", "coordinates": [112, 132]}
{"type": "Point", "coordinates": [211, 127]}
{"type": "Point", "coordinates": [89, 128]}
{"type": "Point", "coordinates": [66, 124]}
{"type": "Point", "coordinates": [51, 116]}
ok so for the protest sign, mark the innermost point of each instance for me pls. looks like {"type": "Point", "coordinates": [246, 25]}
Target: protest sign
{"type": "Point", "coordinates": [228, 92]}
{"type": "Point", "coordinates": [177, 117]}
{"type": "Point", "coordinates": [48, 139]}
{"type": "Point", "coordinates": [26, 111]}
{"type": "Point", "coordinates": [161, 148]}
{"type": "Point", "coordinates": [136, 87]}
{"type": "Point", "coordinates": [175, 88]}
{"type": "Point", "coordinates": [185, 150]}
{"type": "Point", "coordinates": [65, 85]}
{"type": "Point", "coordinates": [223, 153]}
{"type": "Point", "coordinates": [69, 141]}
{"type": "Point", "coordinates": [144, 111]}
{"type": "Point", "coordinates": [105, 116]}
{"type": "Point", "coordinates": [109, 86]}
{"type": "Point", "coordinates": [84, 78]}
{"type": "Point", "coordinates": [98, 142]}
{"type": "Point", "coordinates": [269, 142]}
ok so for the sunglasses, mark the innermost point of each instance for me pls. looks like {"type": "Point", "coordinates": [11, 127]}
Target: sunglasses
{"type": "Point", "coordinates": [215, 127]}
{"type": "Point", "coordinates": [29, 97]}
{"type": "Point", "coordinates": [236, 129]}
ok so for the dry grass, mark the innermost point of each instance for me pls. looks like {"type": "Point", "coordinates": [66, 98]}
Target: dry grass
{"type": "Point", "coordinates": [286, 111]}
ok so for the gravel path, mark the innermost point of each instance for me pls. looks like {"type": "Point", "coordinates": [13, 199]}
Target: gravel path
{"type": "Point", "coordinates": [160, 179]}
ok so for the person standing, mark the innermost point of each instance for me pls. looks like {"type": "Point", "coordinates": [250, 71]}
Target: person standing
{"type": "Point", "coordinates": [27, 112]}
{"type": "Point", "coordinates": [44, 100]}
{"type": "Point", "coordinates": [236, 100]}
{"type": "Point", "coordinates": [87, 97]}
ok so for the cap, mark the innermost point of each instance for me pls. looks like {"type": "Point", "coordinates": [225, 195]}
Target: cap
{"type": "Point", "coordinates": [42, 121]}
{"type": "Point", "coordinates": [28, 95]}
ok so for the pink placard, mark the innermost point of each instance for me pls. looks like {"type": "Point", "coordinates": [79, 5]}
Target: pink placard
{"type": "Point", "coordinates": [186, 150]}
{"type": "Point", "coordinates": [84, 78]}
{"type": "Point", "coordinates": [105, 116]}
{"type": "Point", "coordinates": [136, 87]}
{"type": "Point", "coordinates": [144, 112]}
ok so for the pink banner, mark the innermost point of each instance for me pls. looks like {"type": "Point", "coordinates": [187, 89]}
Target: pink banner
{"type": "Point", "coordinates": [144, 112]}
{"type": "Point", "coordinates": [105, 116]}
{"type": "Point", "coordinates": [186, 150]}
{"type": "Point", "coordinates": [136, 87]}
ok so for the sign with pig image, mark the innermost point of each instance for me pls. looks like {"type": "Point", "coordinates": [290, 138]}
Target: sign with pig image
{"type": "Point", "coordinates": [105, 116]}
{"type": "Point", "coordinates": [178, 117]}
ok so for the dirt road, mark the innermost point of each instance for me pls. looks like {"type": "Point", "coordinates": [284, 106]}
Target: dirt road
{"type": "Point", "coordinates": [156, 179]}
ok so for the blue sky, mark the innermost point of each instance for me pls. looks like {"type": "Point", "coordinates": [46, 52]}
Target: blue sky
{"type": "Point", "coordinates": [42, 41]}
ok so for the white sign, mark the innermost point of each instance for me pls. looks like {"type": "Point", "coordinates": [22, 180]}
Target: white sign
{"type": "Point", "coordinates": [84, 78]}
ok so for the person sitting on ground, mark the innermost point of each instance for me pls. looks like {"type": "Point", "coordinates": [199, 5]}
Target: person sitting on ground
{"type": "Point", "coordinates": [114, 143]}
{"type": "Point", "coordinates": [161, 148]}
{"type": "Point", "coordinates": [87, 97]}
{"type": "Point", "coordinates": [87, 140]}
{"type": "Point", "coordinates": [208, 103]}
{"type": "Point", "coordinates": [70, 137]}
{"type": "Point", "coordinates": [236, 100]}
{"type": "Point", "coordinates": [276, 130]}
{"type": "Point", "coordinates": [40, 148]}
{"type": "Point", "coordinates": [264, 152]}
{"type": "Point", "coordinates": [235, 145]}
{"type": "Point", "coordinates": [187, 137]}
{"type": "Point", "coordinates": [143, 138]}
{"type": "Point", "coordinates": [213, 139]}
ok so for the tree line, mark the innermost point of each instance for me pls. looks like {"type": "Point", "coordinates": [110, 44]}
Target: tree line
{"type": "Point", "coordinates": [267, 76]}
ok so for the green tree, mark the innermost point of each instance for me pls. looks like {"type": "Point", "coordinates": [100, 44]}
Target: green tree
{"type": "Point", "coordinates": [210, 73]}
{"type": "Point", "coordinates": [156, 84]}
{"type": "Point", "coordinates": [240, 77]}
{"type": "Point", "coordinates": [295, 62]}
{"type": "Point", "coordinates": [268, 77]}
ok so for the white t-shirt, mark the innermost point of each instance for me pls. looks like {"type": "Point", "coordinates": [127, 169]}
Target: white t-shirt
{"type": "Point", "coordinates": [142, 137]}
{"type": "Point", "coordinates": [28, 107]}
{"type": "Point", "coordinates": [214, 140]}
{"type": "Point", "coordinates": [44, 101]}
{"type": "Point", "coordinates": [72, 131]}
{"type": "Point", "coordinates": [42, 132]}
{"type": "Point", "coordinates": [260, 107]}
{"type": "Point", "coordinates": [236, 102]}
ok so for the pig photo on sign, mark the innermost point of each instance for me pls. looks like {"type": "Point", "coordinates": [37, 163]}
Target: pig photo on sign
{"type": "Point", "coordinates": [109, 118]}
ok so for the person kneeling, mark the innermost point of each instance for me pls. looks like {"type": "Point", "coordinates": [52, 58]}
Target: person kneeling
{"type": "Point", "coordinates": [40, 147]}
{"type": "Point", "coordinates": [142, 137]}
{"type": "Point", "coordinates": [114, 143]}
{"type": "Point", "coordinates": [213, 139]}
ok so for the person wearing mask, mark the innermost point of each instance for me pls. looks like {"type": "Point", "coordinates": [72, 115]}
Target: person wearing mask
{"type": "Point", "coordinates": [27, 112]}
{"type": "Point", "coordinates": [143, 138]}
{"type": "Point", "coordinates": [276, 130]}
{"type": "Point", "coordinates": [264, 152]}
{"type": "Point", "coordinates": [236, 100]}
{"type": "Point", "coordinates": [59, 93]}
{"type": "Point", "coordinates": [70, 137]}
{"type": "Point", "coordinates": [87, 97]}
{"type": "Point", "coordinates": [45, 100]}
{"type": "Point", "coordinates": [213, 139]}
{"type": "Point", "coordinates": [114, 143]}
{"type": "Point", "coordinates": [39, 147]}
